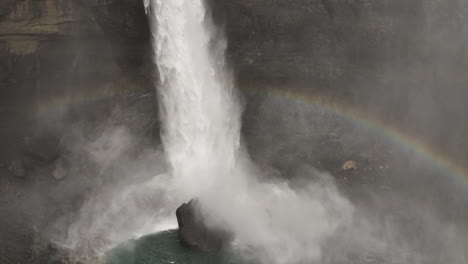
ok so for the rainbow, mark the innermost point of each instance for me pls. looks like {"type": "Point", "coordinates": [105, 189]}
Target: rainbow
{"type": "Point", "coordinates": [77, 97]}
{"type": "Point", "coordinates": [368, 120]}
{"type": "Point", "coordinates": [326, 103]}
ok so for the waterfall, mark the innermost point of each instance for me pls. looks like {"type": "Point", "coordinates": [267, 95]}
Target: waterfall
{"type": "Point", "coordinates": [198, 107]}
{"type": "Point", "coordinates": [201, 114]}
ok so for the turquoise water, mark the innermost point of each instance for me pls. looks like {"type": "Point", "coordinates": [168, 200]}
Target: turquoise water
{"type": "Point", "coordinates": [165, 248]}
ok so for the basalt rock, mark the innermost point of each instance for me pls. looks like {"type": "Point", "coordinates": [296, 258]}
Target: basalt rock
{"type": "Point", "coordinates": [193, 231]}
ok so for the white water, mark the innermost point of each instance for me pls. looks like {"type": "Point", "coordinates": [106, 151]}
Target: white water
{"type": "Point", "coordinates": [201, 118]}
{"type": "Point", "coordinates": [198, 108]}
{"type": "Point", "coordinates": [201, 136]}
{"type": "Point", "coordinates": [272, 221]}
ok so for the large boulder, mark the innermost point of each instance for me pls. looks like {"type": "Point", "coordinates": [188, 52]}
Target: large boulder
{"type": "Point", "coordinates": [193, 231]}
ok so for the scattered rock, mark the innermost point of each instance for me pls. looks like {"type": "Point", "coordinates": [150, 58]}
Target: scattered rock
{"type": "Point", "coordinates": [59, 172]}
{"type": "Point", "coordinates": [17, 168]}
{"type": "Point", "coordinates": [349, 165]}
{"type": "Point", "coordinates": [194, 233]}
{"type": "Point", "coordinates": [249, 61]}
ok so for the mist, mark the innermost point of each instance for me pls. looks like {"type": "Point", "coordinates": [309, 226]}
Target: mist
{"type": "Point", "coordinates": [268, 169]}
{"type": "Point", "coordinates": [305, 219]}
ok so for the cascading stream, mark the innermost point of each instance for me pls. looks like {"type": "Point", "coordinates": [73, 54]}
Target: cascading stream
{"type": "Point", "coordinates": [272, 220]}
{"type": "Point", "coordinates": [201, 136]}
{"type": "Point", "coordinates": [198, 107]}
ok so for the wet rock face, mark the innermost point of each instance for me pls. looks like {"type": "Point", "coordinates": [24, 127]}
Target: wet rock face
{"type": "Point", "coordinates": [69, 52]}
{"type": "Point", "coordinates": [194, 233]}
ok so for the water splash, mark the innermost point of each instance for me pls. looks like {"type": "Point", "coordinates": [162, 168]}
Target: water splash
{"type": "Point", "coordinates": [201, 135]}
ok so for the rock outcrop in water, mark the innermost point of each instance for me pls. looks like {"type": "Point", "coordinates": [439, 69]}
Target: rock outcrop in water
{"type": "Point", "coordinates": [194, 233]}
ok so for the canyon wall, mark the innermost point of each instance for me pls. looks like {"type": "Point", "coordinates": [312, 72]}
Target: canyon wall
{"type": "Point", "coordinates": [54, 49]}
{"type": "Point", "coordinates": [403, 61]}
{"type": "Point", "coordinates": [354, 48]}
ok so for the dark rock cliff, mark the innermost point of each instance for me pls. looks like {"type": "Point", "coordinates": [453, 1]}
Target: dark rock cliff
{"type": "Point", "coordinates": [53, 50]}
{"type": "Point", "coordinates": [368, 52]}
{"type": "Point", "coordinates": [390, 58]}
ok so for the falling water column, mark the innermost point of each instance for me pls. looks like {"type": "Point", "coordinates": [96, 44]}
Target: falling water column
{"type": "Point", "coordinates": [198, 107]}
